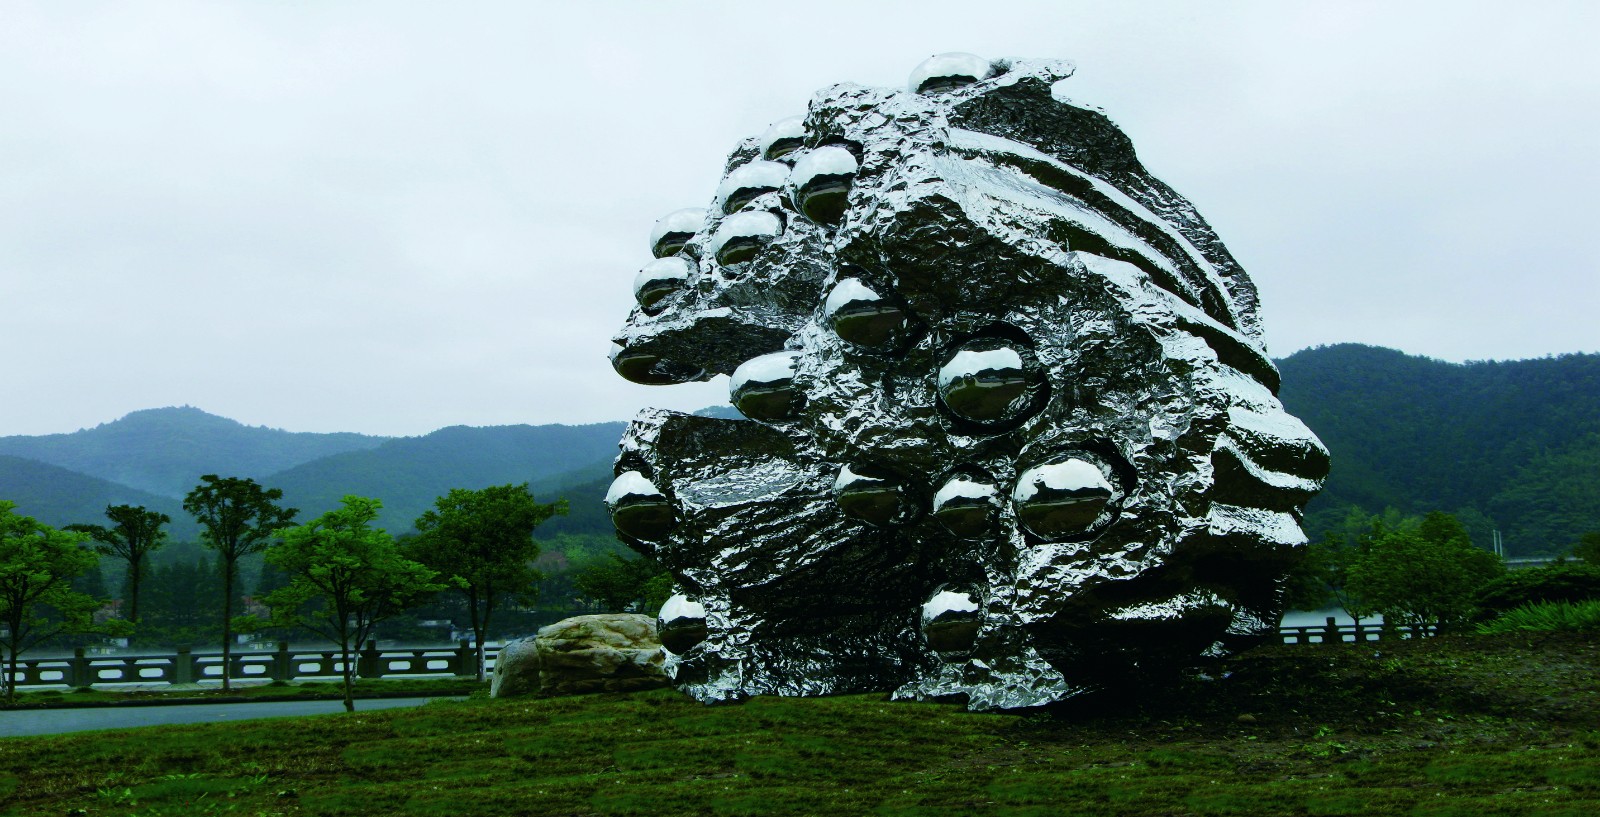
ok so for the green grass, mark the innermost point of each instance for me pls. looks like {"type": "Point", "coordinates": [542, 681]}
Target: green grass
{"type": "Point", "coordinates": [1438, 727]}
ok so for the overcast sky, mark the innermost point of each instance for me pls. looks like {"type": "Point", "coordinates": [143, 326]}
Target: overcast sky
{"type": "Point", "coordinates": [391, 217]}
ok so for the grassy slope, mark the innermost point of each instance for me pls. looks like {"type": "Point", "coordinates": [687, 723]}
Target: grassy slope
{"type": "Point", "coordinates": [1478, 726]}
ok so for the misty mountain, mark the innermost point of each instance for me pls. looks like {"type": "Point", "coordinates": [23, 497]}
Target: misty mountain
{"type": "Point", "coordinates": [57, 496]}
{"type": "Point", "coordinates": [165, 450]}
{"type": "Point", "coordinates": [408, 473]}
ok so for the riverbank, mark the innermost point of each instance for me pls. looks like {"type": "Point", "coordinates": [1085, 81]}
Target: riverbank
{"type": "Point", "coordinates": [1453, 725]}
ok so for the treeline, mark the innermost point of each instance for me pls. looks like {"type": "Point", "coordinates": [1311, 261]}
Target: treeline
{"type": "Point", "coordinates": [1425, 571]}
{"type": "Point", "coordinates": [472, 563]}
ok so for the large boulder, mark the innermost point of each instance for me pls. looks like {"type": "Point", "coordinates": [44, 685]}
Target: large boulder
{"type": "Point", "coordinates": [616, 652]}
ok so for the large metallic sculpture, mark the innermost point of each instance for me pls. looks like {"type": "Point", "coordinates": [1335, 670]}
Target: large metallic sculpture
{"type": "Point", "coordinates": [1012, 430]}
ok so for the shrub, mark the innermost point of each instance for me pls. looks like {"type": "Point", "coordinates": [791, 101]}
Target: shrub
{"type": "Point", "coordinates": [1546, 617]}
{"type": "Point", "coordinates": [1562, 581]}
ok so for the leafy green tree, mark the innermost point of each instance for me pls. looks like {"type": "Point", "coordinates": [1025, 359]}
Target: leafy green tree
{"type": "Point", "coordinates": [617, 583]}
{"type": "Point", "coordinates": [237, 518]}
{"type": "Point", "coordinates": [1424, 574]}
{"type": "Point", "coordinates": [1588, 547]}
{"type": "Point", "coordinates": [483, 540]}
{"type": "Point", "coordinates": [37, 566]}
{"type": "Point", "coordinates": [1329, 559]}
{"type": "Point", "coordinates": [345, 577]}
{"type": "Point", "coordinates": [136, 534]}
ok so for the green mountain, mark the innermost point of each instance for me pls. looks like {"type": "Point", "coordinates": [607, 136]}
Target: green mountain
{"type": "Point", "coordinates": [1507, 445]}
{"type": "Point", "coordinates": [408, 473]}
{"type": "Point", "coordinates": [57, 496]}
{"type": "Point", "coordinates": [1511, 446]}
{"type": "Point", "coordinates": [164, 451]}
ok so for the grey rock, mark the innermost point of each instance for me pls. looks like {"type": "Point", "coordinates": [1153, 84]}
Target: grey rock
{"type": "Point", "coordinates": [516, 670]}
{"type": "Point", "coordinates": [597, 653]}
{"type": "Point", "coordinates": [1016, 432]}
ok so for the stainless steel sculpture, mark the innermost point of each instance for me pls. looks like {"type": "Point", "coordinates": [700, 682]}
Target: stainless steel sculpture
{"type": "Point", "coordinates": [1013, 433]}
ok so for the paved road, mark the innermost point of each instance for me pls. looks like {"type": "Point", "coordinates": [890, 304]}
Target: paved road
{"type": "Point", "coordinates": [17, 723]}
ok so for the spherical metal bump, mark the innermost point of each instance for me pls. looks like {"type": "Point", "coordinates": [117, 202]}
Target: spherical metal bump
{"type": "Point", "coordinates": [950, 622]}
{"type": "Point", "coordinates": [639, 509]}
{"type": "Point", "coordinates": [821, 180]}
{"type": "Point", "coordinates": [675, 229]}
{"type": "Point", "coordinates": [967, 506]}
{"type": "Point", "coordinates": [945, 72]}
{"type": "Point", "coordinates": [1068, 498]}
{"type": "Point", "coordinates": [648, 369]}
{"type": "Point", "coordinates": [873, 497]}
{"type": "Point", "coordinates": [740, 236]}
{"type": "Point", "coordinates": [783, 138]}
{"type": "Point", "coordinates": [748, 181]}
{"type": "Point", "coordinates": [987, 381]}
{"type": "Point", "coordinates": [862, 316]}
{"type": "Point", "coordinates": [762, 388]}
{"type": "Point", "coordinates": [681, 624]}
{"type": "Point", "coordinates": [658, 279]}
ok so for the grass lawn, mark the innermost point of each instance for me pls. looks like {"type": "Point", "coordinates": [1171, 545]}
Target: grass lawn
{"type": "Point", "coordinates": [1448, 726]}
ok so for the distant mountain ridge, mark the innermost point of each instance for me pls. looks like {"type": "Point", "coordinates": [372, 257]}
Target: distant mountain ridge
{"type": "Point", "coordinates": [1513, 446]}
{"type": "Point", "coordinates": [57, 496]}
{"type": "Point", "coordinates": [1507, 445]}
{"type": "Point", "coordinates": [408, 473]}
{"type": "Point", "coordinates": [164, 450]}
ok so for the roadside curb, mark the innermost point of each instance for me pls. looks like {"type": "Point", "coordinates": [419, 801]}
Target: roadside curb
{"type": "Point", "coordinates": [235, 699]}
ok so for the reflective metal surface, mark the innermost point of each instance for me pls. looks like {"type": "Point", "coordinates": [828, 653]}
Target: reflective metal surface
{"type": "Point", "coordinates": [681, 624]}
{"type": "Point", "coordinates": [1016, 435]}
{"type": "Point", "coordinates": [660, 278]}
{"type": "Point", "coordinates": [740, 236]}
{"type": "Point", "coordinates": [638, 508]}
{"type": "Point", "coordinates": [762, 388]}
{"type": "Point", "coordinates": [673, 230]}
{"type": "Point", "coordinates": [821, 181]}
{"type": "Point", "coordinates": [748, 182]}
{"type": "Point", "coordinates": [782, 138]}
{"type": "Point", "coordinates": [944, 72]}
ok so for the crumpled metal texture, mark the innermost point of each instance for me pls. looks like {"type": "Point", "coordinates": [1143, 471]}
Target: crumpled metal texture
{"type": "Point", "coordinates": [1049, 454]}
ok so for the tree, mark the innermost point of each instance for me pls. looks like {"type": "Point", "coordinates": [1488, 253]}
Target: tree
{"type": "Point", "coordinates": [136, 534]}
{"type": "Point", "coordinates": [617, 583]}
{"type": "Point", "coordinates": [483, 539]}
{"type": "Point", "coordinates": [345, 577]}
{"type": "Point", "coordinates": [1424, 574]}
{"type": "Point", "coordinates": [37, 566]}
{"type": "Point", "coordinates": [237, 518]}
{"type": "Point", "coordinates": [1588, 547]}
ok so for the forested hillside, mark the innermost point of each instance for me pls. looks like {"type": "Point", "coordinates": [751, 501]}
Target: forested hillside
{"type": "Point", "coordinates": [408, 473]}
{"type": "Point", "coordinates": [1508, 445]}
{"type": "Point", "coordinates": [165, 450]}
{"type": "Point", "coordinates": [58, 496]}
{"type": "Point", "coordinates": [1512, 445]}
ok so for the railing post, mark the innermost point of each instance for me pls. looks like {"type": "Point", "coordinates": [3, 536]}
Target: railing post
{"type": "Point", "coordinates": [281, 669]}
{"type": "Point", "coordinates": [465, 660]}
{"type": "Point", "coordinates": [368, 664]}
{"type": "Point", "coordinates": [78, 670]}
{"type": "Point", "coordinates": [183, 666]}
